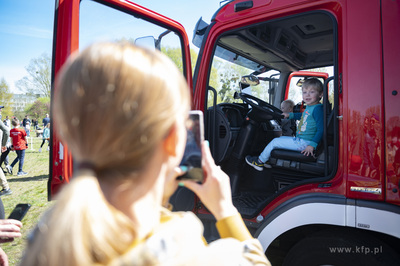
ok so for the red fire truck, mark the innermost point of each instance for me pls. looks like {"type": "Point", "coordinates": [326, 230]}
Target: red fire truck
{"type": "Point", "coordinates": [338, 207]}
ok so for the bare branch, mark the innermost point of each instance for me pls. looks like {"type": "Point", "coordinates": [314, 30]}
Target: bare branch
{"type": "Point", "coordinates": [38, 80]}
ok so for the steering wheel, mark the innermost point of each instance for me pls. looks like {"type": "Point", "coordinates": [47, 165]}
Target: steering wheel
{"type": "Point", "coordinates": [264, 110]}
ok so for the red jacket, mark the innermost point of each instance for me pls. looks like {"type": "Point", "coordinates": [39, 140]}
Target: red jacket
{"type": "Point", "coordinates": [18, 138]}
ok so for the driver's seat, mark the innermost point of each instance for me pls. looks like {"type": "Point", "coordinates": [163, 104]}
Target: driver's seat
{"type": "Point", "coordinates": [296, 161]}
{"type": "Point", "coordinates": [322, 163]}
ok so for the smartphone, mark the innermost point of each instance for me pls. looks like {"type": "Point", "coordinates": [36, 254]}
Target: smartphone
{"type": "Point", "coordinates": [192, 156]}
{"type": "Point", "coordinates": [19, 211]}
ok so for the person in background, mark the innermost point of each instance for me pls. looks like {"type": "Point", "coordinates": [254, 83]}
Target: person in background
{"type": "Point", "coordinates": [4, 155]}
{"type": "Point", "coordinates": [113, 212]}
{"type": "Point", "coordinates": [46, 137]}
{"type": "Point", "coordinates": [25, 120]}
{"type": "Point", "coordinates": [35, 124]}
{"type": "Point", "coordinates": [28, 128]}
{"type": "Point", "coordinates": [46, 120]}
{"type": "Point", "coordinates": [288, 125]}
{"type": "Point", "coordinates": [19, 143]}
{"type": "Point", "coordinates": [4, 136]}
{"type": "Point", "coordinates": [7, 122]}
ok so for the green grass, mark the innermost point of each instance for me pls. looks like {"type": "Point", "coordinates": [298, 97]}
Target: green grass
{"type": "Point", "coordinates": [31, 189]}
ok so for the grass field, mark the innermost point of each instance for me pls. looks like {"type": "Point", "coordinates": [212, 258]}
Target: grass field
{"type": "Point", "coordinates": [31, 189]}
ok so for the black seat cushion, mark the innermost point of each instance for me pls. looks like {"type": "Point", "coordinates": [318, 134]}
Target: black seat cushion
{"type": "Point", "coordinates": [291, 155]}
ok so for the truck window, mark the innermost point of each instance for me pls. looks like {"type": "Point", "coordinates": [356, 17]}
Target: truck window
{"type": "Point", "coordinates": [79, 23]}
{"type": "Point", "coordinates": [294, 83]}
{"type": "Point", "coordinates": [102, 23]}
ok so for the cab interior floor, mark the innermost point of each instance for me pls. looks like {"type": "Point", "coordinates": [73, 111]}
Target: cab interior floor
{"type": "Point", "coordinates": [249, 204]}
{"type": "Point", "coordinates": [254, 190]}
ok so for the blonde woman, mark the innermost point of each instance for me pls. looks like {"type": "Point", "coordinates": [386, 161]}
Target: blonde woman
{"type": "Point", "coordinates": [111, 213]}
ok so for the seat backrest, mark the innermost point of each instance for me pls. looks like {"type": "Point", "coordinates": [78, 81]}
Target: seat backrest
{"type": "Point", "coordinates": [235, 118]}
{"type": "Point", "coordinates": [220, 133]}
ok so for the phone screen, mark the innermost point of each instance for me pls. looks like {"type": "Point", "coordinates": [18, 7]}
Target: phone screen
{"type": "Point", "coordinates": [19, 211]}
{"type": "Point", "coordinates": [192, 155]}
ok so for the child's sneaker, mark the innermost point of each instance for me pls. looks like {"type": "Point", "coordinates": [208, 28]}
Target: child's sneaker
{"type": "Point", "coordinates": [9, 169]}
{"type": "Point", "coordinates": [40, 149]}
{"type": "Point", "coordinates": [48, 148]}
{"type": "Point", "coordinates": [254, 162]}
{"type": "Point", "coordinates": [5, 192]}
{"type": "Point", "coordinates": [22, 173]}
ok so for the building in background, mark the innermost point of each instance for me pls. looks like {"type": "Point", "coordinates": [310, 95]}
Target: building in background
{"type": "Point", "coordinates": [20, 101]}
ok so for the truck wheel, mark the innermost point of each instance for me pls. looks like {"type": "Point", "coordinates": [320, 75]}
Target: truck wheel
{"type": "Point", "coordinates": [341, 249]}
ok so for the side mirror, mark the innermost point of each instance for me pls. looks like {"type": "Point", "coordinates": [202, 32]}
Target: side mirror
{"type": "Point", "coordinates": [250, 80]}
{"type": "Point", "coordinates": [198, 32]}
{"type": "Point", "coordinates": [147, 42]}
{"type": "Point", "coordinates": [150, 42]}
{"type": "Point", "coordinates": [300, 82]}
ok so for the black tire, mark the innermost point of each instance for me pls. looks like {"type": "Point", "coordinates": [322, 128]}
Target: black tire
{"type": "Point", "coordinates": [341, 248]}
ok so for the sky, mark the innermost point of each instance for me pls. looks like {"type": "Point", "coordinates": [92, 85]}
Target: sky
{"type": "Point", "coordinates": [26, 29]}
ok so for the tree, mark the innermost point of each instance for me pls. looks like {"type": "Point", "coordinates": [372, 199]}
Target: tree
{"type": "Point", "coordinates": [5, 98]}
{"type": "Point", "coordinates": [224, 78]}
{"type": "Point", "coordinates": [175, 54]}
{"type": "Point", "coordinates": [229, 81]}
{"type": "Point", "coordinates": [39, 108]}
{"type": "Point", "coordinates": [38, 80]}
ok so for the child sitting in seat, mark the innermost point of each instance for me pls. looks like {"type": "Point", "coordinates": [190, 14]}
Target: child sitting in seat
{"type": "Point", "coordinates": [309, 131]}
{"type": "Point", "coordinates": [288, 125]}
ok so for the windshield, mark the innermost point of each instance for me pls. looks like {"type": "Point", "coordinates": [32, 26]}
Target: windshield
{"type": "Point", "coordinates": [227, 71]}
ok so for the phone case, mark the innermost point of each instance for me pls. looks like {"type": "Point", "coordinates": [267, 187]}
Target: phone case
{"type": "Point", "coordinates": [192, 156]}
{"type": "Point", "coordinates": [19, 211]}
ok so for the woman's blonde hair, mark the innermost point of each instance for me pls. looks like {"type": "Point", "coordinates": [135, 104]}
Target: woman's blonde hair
{"type": "Point", "coordinates": [114, 104]}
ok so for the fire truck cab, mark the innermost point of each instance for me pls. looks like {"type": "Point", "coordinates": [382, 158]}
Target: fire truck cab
{"type": "Point", "coordinates": [341, 205]}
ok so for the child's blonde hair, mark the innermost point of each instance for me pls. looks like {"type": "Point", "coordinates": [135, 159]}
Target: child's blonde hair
{"type": "Point", "coordinates": [114, 104]}
{"type": "Point", "coordinates": [313, 82]}
{"type": "Point", "coordinates": [288, 103]}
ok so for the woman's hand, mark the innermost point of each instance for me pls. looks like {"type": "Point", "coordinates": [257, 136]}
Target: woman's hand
{"type": "Point", "coordinates": [215, 192]}
{"type": "Point", "coordinates": [9, 229]}
{"type": "Point", "coordinates": [171, 184]}
{"type": "Point", "coordinates": [3, 258]}
{"type": "Point", "coordinates": [309, 150]}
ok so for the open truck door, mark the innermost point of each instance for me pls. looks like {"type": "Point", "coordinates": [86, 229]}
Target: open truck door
{"type": "Point", "coordinates": [78, 23]}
